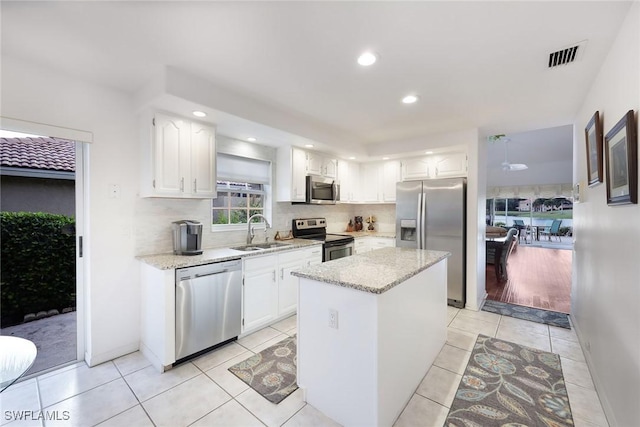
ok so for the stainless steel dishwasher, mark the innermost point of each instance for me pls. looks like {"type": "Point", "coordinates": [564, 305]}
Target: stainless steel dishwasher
{"type": "Point", "coordinates": [208, 306]}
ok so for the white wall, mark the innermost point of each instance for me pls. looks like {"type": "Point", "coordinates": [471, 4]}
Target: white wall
{"type": "Point", "coordinates": [476, 223]}
{"type": "Point", "coordinates": [35, 94]}
{"type": "Point", "coordinates": [606, 291]}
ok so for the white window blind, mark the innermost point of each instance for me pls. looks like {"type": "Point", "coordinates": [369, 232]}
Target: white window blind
{"type": "Point", "coordinates": [242, 169]}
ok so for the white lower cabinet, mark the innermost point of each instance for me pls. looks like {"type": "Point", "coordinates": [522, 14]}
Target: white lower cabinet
{"type": "Point", "coordinates": [260, 290]}
{"type": "Point", "coordinates": [381, 242]}
{"type": "Point", "coordinates": [270, 292]}
{"type": "Point", "coordinates": [370, 243]}
{"type": "Point", "coordinates": [361, 245]}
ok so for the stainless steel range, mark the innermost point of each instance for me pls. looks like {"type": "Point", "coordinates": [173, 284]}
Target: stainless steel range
{"type": "Point", "coordinates": [335, 245]}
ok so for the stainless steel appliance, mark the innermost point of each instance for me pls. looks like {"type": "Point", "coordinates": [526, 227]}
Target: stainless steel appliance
{"type": "Point", "coordinates": [431, 214]}
{"type": "Point", "coordinates": [321, 190]}
{"type": "Point", "coordinates": [334, 245]}
{"type": "Point", "coordinates": [208, 306]}
{"type": "Point", "coordinates": [187, 237]}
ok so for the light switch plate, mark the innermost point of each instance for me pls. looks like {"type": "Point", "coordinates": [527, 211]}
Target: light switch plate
{"type": "Point", "coordinates": [333, 318]}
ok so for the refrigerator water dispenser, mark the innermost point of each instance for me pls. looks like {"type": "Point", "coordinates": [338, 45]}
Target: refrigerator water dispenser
{"type": "Point", "coordinates": [408, 230]}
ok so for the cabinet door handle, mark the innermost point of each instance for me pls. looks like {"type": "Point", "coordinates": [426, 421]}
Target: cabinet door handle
{"type": "Point", "coordinates": [274, 276]}
{"type": "Point", "coordinates": [195, 185]}
{"type": "Point", "coordinates": [282, 273]}
{"type": "Point", "coordinates": [182, 185]}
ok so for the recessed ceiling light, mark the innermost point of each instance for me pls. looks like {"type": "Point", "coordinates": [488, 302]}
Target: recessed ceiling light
{"type": "Point", "coordinates": [352, 158]}
{"type": "Point", "coordinates": [385, 158]}
{"type": "Point", "coordinates": [409, 99]}
{"type": "Point", "coordinates": [428, 152]}
{"type": "Point", "coordinates": [308, 145]}
{"type": "Point", "coordinates": [251, 139]}
{"type": "Point", "coordinates": [199, 113]}
{"type": "Point", "coordinates": [367, 58]}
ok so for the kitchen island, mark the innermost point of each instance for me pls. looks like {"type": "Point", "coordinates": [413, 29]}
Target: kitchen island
{"type": "Point", "coordinates": [369, 328]}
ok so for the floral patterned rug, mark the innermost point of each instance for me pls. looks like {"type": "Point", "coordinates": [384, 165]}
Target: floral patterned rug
{"type": "Point", "coordinates": [272, 372]}
{"type": "Point", "coordinates": [552, 318]}
{"type": "Point", "coordinates": [506, 384]}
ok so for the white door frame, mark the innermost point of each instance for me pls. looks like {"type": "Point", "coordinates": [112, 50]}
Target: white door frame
{"type": "Point", "coordinates": [82, 247]}
{"type": "Point", "coordinates": [81, 139]}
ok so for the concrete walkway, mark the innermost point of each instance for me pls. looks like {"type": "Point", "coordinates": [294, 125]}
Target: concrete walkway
{"type": "Point", "coordinates": [55, 338]}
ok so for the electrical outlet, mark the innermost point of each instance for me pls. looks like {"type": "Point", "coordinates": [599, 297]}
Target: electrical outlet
{"type": "Point", "coordinates": [333, 318]}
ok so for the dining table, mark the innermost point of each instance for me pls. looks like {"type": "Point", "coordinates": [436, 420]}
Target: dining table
{"type": "Point", "coordinates": [16, 357]}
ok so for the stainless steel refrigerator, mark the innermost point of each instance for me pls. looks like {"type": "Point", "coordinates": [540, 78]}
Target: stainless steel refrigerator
{"type": "Point", "coordinates": [431, 214]}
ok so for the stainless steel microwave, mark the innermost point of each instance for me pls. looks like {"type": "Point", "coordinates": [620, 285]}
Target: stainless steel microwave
{"type": "Point", "coordinates": [321, 190]}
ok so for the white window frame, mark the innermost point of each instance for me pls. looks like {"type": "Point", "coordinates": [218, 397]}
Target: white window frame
{"type": "Point", "coordinates": [267, 195]}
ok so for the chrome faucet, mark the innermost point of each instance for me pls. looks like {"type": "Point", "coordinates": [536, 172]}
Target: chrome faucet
{"type": "Point", "coordinates": [250, 230]}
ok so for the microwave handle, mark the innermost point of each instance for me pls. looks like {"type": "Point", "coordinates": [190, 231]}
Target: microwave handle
{"type": "Point", "coordinates": [336, 195]}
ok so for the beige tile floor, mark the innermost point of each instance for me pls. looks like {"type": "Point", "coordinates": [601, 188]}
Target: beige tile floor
{"type": "Point", "coordinates": [129, 392]}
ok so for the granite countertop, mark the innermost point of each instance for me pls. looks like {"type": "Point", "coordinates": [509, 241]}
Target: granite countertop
{"type": "Point", "coordinates": [375, 272]}
{"type": "Point", "coordinates": [365, 233]}
{"type": "Point", "coordinates": [168, 261]}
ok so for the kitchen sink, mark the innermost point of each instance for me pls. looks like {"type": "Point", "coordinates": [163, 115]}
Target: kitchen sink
{"type": "Point", "coordinates": [260, 246]}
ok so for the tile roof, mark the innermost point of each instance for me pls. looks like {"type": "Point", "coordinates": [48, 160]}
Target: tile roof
{"type": "Point", "coordinates": [38, 153]}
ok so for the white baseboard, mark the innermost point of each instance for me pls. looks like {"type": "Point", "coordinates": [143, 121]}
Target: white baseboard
{"type": "Point", "coordinates": [96, 359]}
{"type": "Point", "coordinates": [597, 383]}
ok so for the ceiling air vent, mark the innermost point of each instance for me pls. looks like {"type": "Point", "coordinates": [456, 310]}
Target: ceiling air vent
{"type": "Point", "coordinates": [567, 55]}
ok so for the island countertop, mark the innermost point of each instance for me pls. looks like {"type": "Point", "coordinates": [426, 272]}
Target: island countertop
{"type": "Point", "coordinates": [376, 271]}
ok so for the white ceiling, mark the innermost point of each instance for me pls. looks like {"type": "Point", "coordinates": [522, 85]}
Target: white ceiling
{"type": "Point", "coordinates": [474, 64]}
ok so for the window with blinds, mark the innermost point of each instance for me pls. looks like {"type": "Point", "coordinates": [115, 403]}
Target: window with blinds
{"type": "Point", "coordinates": [243, 185]}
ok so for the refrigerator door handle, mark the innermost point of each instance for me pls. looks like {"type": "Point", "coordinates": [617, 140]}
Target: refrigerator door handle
{"type": "Point", "coordinates": [419, 223]}
{"type": "Point", "coordinates": [423, 221]}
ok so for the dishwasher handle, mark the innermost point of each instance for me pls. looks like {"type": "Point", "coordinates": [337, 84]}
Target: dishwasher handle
{"type": "Point", "coordinates": [205, 270]}
{"type": "Point", "coordinates": [212, 273]}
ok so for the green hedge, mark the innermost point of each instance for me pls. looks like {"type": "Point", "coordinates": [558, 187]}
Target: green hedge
{"type": "Point", "coordinates": [38, 264]}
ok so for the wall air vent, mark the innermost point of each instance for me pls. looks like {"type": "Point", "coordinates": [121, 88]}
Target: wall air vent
{"type": "Point", "coordinates": [567, 55]}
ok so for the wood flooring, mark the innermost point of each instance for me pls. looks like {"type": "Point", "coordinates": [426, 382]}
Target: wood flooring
{"type": "Point", "coordinates": [538, 277]}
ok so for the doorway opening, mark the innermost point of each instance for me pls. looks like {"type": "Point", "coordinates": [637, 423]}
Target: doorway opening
{"type": "Point", "coordinates": [40, 181]}
{"type": "Point", "coordinates": [538, 267]}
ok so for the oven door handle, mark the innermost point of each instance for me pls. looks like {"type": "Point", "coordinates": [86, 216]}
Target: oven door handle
{"type": "Point", "coordinates": [338, 243]}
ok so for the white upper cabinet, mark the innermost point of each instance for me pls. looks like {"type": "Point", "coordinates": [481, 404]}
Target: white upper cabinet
{"type": "Point", "coordinates": [370, 183]}
{"type": "Point", "coordinates": [435, 166]}
{"type": "Point", "coordinates": [416, 168]}
{"type": "Point", "coordinates": [378, 181]}
{"type": "Point", "coordinates": [322, 165]}
{"type": "Point", "coordinates": [315, 163]}
{"type": "Point", "coordinates": [390, 177]}
{"type": "Point", "coordinates": [291, 172]}
{"type": "Point", "coordinates": [450, 165]}
{"type": "Point", "coordinates": [179, 159]}
{"type": "Point", "coordinates": [203, 170]}
{"type": "Point", "coordinates": [293, 165]}
{"type": "Point", "coordinates": [349, 177]}
{"type": "Point", "coordinates": [169, 150]}
{"type": "Point", "coordinates": [330, 168]}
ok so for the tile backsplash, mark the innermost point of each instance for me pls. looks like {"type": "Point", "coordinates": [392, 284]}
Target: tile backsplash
{"type": "Point", "coordinates": [154, 217]}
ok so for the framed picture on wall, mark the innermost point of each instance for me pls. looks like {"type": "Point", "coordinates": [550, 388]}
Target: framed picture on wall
{"type": "Point", "coordinates": [621, 158]}
{"type": "Point", "coordinates": [593, 138]}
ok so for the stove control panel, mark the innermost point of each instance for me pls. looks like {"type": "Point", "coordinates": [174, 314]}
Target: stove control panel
{"type": "Point", "coordinates": [307, 223]}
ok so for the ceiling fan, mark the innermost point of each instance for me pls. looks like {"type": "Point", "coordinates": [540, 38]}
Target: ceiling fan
{"type": "Point", "coordinates": [508, 167]}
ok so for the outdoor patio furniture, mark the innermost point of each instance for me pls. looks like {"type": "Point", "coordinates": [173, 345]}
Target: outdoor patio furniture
{"type": "Point", "coordinates": [553, 230]}
{"type": "Point", "coordinates": [498, 254]}
{"type": "Point", "coordinates": [520, 226]}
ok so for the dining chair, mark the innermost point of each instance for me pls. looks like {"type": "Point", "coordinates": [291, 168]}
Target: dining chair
{"type": "Point", "coordinates": [553, 230]}
{"type": "Point", "coordinates": [520, 226]}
